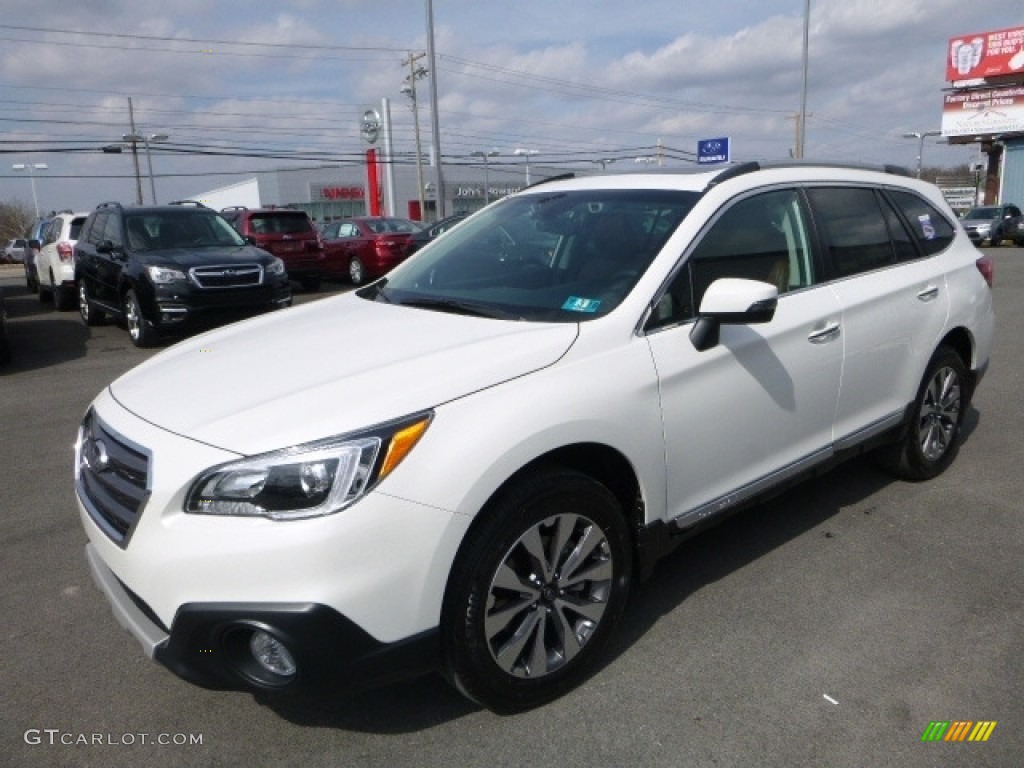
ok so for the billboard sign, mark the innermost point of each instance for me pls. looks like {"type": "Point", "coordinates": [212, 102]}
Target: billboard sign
{"type": "Point", "coordinates": [983, 112]}
{"type": "Point", "coordinates": [713, 151]}
{"type": "Point", "coordinates": [986, 54]}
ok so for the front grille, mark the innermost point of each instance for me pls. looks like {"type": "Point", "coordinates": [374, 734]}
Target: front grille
{"type": "Point", "coordinates": [229, 276]}
{"type": "Point", "coordinates": [112, 478]}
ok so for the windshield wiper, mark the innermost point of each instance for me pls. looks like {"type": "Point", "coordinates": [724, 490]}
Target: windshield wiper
{"type": "Point", "coordinates": [458, 307]}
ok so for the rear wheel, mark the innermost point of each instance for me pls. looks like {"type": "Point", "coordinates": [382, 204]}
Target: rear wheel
{"type": "Point", "coordinates": [356, 271]}
{"type": "Point", "coordinates": [86, 308]}
{"type": "Point", "coordinates": [536, 592]}
{"type": "Point", "coordinates": [932, 438]}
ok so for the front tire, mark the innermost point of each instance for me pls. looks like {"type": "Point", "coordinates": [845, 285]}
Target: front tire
{"type": "Point", "coordinates": [932, 437]}
{"type": "Point", "coordinates": [536, 592]}
{"type": "Point", "coordinates": [140, 332]}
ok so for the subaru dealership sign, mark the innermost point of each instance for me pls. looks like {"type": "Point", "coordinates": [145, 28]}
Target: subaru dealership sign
{"type": "Point", "coordinates": [713, 151]}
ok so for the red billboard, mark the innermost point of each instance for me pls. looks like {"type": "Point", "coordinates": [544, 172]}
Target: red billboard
{"type": "Point", "coordinates": [986, 54]}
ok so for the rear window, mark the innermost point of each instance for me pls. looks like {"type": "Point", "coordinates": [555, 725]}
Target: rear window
{"type": "Point", "coordinates": [280, 223]}
{"type": "Point", "coordinates": [933, 231]}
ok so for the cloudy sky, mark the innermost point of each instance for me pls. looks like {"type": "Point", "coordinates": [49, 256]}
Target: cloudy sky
{"type": "Point", "coordinates": [240, 87]}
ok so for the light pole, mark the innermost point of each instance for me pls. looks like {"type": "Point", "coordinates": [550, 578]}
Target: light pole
{"type": "Point", "coordinates": [527, 153]}
{"type": "Point", "coordinates": [487, 179]}
{"type": "Point", "coordinates": [409, 89]}
{"type": "Point", "coordinates": [920, 136]}
{"type": "Point", "coordinates": [32, 168]}
{"type": "Point", "coordinates": [137, 137]}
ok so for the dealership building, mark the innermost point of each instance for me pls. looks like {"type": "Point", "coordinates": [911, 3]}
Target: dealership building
{"type": "Point", "coordinates": [337, 191]}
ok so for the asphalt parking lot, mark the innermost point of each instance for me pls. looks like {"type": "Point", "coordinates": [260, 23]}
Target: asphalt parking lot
{"type": "Point", "coordinates": [829, 627]}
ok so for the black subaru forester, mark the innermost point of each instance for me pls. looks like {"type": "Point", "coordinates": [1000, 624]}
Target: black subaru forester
{"type": "Point", "coordinates": [171, 269]}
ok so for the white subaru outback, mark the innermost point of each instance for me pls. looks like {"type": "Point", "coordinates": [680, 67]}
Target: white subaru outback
{"type": "Point", "coordinates": [466, 464]}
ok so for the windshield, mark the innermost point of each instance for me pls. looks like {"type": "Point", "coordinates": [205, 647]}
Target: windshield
{"type": "Point", "coordinates": [982, 213]}
{"type": "Point", "coordinates": [157, 230]}
{"type": "Point", "coordinates": [556, 257]}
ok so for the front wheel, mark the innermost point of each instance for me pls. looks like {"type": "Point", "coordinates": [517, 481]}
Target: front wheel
{"type": "Point", "coordinates": [932, 437]}
{"type": "Point", "coordinates": [536, 592]}
{"type": "Point", "coordinates": [140, 332]}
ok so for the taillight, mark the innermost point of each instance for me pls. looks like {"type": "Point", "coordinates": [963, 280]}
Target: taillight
{"type": "Point", "coordinates": [64, 252]}
{"type": "Point", "coordinates": [987, 268]}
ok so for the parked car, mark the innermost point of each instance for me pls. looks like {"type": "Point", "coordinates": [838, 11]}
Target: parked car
{"type": "Point", "coordinates": [366, 247]}
{"type": "Point", "coordinates": [992, 224]}
{"type": "Point", "coordinates": [168, 269]}
{"type": "Point", "coordinates": [432, 231]}
{"type": "Point", "coordinates": [466, 464]}
{"type": "Point", "coordinates": [14, 250]}
{"type": "Point", "coordinates": [55, 261]}
{"type": "Point", "coordinates": [33, 244]}
{"type": "Point", "coordinates": [287, 233]}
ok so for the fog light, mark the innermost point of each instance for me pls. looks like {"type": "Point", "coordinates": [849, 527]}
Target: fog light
{"type": "Point", "coordinates": [271, 654]}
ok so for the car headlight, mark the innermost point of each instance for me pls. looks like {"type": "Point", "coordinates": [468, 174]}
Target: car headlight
{"type": "Point", "coordinates": [162, 275]}
{"type": "Point", "coordinates": [309, 480]}
{"type": "Point", "coordinates": [276, 267]}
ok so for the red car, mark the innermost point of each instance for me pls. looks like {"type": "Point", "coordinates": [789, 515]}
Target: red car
{"type": "Point", "coordinates": [288, 234]}
{"type": "Point", "coordinates": [366, 247]}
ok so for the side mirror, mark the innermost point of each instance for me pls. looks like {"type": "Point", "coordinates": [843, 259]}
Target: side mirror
{"type": "Point", "coordinates": [732, 301]}
{"type": "Point", "coordinates": [107, 246]}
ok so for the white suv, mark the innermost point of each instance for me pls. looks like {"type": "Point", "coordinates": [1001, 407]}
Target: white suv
{"type": "Point", "coordinates": [55, 261]}
{"type": "Point", "coordinates": [466, 464]}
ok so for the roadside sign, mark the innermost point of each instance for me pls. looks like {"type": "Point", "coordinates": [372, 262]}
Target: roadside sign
{"type": "Point", "coordinates": [713, 151]}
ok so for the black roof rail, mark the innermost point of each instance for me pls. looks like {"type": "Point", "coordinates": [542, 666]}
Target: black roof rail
{"type": "Point", "coordinates": [194, 203]}
{"type": "Point", "coordinates": [234, 208]}
{"type": "Point", "coordinates": [113, 204]}
{"type": "Point", "coordinates": [559, 177]}
{"type": "Point", "coordinates": [749, 167]}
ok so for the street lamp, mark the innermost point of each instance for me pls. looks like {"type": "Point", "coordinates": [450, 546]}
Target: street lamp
{"type": "Point", "coordinates": [137, 137]}
{"type": "Point", "coordinates": [32, 168]}
{"type": "Point", "coordinates": [487, 179]}
{"type": "Point", "coordinates": [409, 89]}
{"type": "Point", "coordinates": [920, 136]}
{"type": "Point", "coordinates": [527, 153]}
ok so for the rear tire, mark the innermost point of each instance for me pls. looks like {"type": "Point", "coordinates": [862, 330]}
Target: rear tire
{"type": "Point", "coordinates": [536, 591]}
{"type": "Point", "coordinates": [932, 438]}
{"type": "Point", "coordinates": [90, 315]}
{"type": "Point", "coordinates": [356, 271]}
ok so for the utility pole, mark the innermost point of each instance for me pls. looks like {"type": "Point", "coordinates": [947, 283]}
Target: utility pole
{"type": "Point", "coordinates": [135, 154]}
{"type": "Point", "coordinates": [415, 73]}
{"type": "Point", "coordinates": [434, 117]}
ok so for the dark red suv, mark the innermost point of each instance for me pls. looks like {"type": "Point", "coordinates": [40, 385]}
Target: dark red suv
{"type": "Point", "coordinates": [287, 233]}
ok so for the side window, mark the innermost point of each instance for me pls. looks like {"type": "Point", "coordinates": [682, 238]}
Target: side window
{"type": "Point", "coordinates": [52, 232]}
{"type": "Point", "coordinates": [112, 231]}
{"type": "Point", "coordinates": [331, 230]}
{"type": "Point", "coordinates": [932, 230]}
{"type": "Point", "coordinates": [762, 237]}
{"type": "Point", "coordinates": [96, 228]}
{"type": "Point", "coordinates": [347, 230]}
{"type": "Point", "coordinates": [854, 228]}
{"type": "Point", "coordinates": [902, 242]}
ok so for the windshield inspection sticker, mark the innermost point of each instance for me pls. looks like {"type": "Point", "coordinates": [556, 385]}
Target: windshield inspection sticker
{"type": "Point", "coordinates": [927, 228]}
{"type": "Point", "coordinates": [576, 304]}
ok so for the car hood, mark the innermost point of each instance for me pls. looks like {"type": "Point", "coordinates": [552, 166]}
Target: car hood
{"type": "Point", "coordinates": [186, 258]}
{"type": "Point", "coordinates": [327, 368]}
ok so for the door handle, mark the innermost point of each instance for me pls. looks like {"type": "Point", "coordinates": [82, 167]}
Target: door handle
{"type": "Point", "coordinates": [929, 293]}
{"type": "Point", "coordinates": [826, 332]}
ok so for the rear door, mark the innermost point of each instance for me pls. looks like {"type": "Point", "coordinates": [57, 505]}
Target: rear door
{"type": "Point", "coordinates": [893, 297]}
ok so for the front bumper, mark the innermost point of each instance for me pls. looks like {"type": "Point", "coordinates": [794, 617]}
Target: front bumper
{"type": "Point", "coordinates": [207, 643]}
